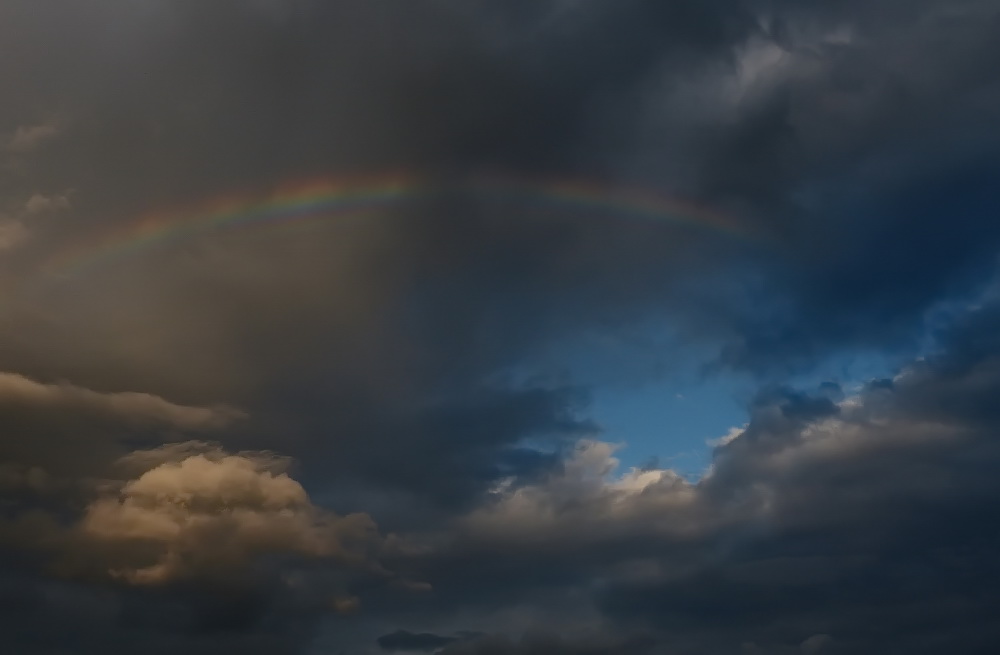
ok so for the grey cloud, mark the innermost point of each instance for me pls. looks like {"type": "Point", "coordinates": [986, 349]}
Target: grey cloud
{"type": "Point", "coordinates": [436, 98]}
{"type": "Point", "coordinates": [537, 643]}
{"type": "Point", "coordinates": [14, 230]}
{"type": "Point", "coordinates": [401, 640]}
{"type": "Point", "coordinates": [820, 528]}
{"type": "Point", "coordinates": [12, 233]}
{"type": "Point", "coordinates": [816, 643]}
{"type": "Point", "coordinates": [29, 137]}
{"type": "Point", "coordinates": [129, 406]}
{"type": "Point", "coordinates": [39, 203]}
{"type": "Point", "coordinates": [74, 432]}
{"type": "Point", "coordinates": [472, 105]}
{"type": "Point", "coordinates": [203, 549]}
{"type": "Point", "coordinates": [410, 363]}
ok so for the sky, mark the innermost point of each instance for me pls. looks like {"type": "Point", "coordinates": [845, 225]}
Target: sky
{"type": "Point", "coordinates": [499, 327]}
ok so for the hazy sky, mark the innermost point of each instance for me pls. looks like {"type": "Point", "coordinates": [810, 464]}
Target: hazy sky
{"type": "Point", "coordinates": [499, 327]}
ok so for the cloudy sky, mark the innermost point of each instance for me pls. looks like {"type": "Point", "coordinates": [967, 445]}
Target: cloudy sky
{"type": "Point", "coordinates": [499, 327]}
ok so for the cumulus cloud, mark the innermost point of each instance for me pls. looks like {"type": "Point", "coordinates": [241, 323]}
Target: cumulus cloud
{"type": "Point", "coordinates": [68, 438]}
{"type": "Point", "coordinates": [214, 515]}
{"type": "Point", "coordinates": [817, 521]}
{"type": "Point", "coordinates": [583, 501]}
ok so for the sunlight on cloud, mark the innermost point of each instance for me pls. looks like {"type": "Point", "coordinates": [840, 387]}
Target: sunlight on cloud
{"type": "Point", "coordinates": [214, 515]}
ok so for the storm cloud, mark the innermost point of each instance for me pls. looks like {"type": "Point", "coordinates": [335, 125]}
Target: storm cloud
{"type": "Point", "coordinates": [236, 422]}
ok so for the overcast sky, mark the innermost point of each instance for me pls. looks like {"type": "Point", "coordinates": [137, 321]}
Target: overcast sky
{"type": "Point", "coordinates": [499, 327]}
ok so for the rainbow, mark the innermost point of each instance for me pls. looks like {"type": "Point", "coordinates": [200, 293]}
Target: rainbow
{"type": "Point", "coordinates": [341, 197]}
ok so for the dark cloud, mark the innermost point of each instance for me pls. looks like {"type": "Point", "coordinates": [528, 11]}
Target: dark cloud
{"type": "Point", "coordinates": [538, 643]}
{"type": "Point", "coordinates": [401, 640]}
{"type": "Point", "coordinates": [861, 526]}
{"type": "Point", "coordinates": [700, 98]}
{"type": "Point", "coordinates": [412, 363]}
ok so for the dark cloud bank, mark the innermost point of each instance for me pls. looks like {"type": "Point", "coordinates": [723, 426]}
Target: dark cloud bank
{"type": "Point", "coordinates": [361, 436]}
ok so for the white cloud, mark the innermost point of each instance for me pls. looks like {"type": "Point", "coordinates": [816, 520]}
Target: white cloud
{"type": "Point", "coordinates": [730, 436]}
{"type": "Point", "coordinates": [586, 501]}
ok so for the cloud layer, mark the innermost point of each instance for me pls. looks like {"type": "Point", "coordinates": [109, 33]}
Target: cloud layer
{"type": "Point", "coordinates": [821, 527]}
{"type": "Point", "coordinates": [372, 432]}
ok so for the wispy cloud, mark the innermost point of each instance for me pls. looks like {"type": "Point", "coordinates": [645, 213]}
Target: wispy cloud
{"type": "Point", "coordinates": [29, 138]}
